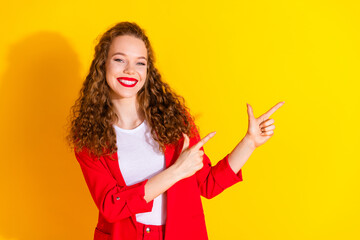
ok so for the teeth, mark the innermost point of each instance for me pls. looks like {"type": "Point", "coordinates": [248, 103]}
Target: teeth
{"type": "Point", "coordinates": [127, 82]}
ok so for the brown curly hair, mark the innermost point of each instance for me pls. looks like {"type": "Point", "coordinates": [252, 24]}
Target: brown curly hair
{"type": "Point", "coordinates": [92, 115]}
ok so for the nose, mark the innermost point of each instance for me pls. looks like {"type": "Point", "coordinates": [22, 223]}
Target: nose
{"type": "Point", "coordinates": [129, 69]}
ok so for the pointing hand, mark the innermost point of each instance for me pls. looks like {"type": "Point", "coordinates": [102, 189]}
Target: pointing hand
{"type": "Point", "coordinates": [261, 129]}
{"type": "Point", "coordinates": [191, 159]}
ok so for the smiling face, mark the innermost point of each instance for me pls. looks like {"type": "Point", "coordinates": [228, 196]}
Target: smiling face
{"type": "Point", "coordinates": [126, 66]}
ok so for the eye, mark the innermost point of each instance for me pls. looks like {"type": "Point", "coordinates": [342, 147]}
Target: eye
{"type": "Point", "coordinates": [118, 59]}
{"type": "Point", "coordinates": [142, 63]}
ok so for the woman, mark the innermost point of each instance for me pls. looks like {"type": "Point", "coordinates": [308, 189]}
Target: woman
{"type": "Point", "coordinates": [139, 149]}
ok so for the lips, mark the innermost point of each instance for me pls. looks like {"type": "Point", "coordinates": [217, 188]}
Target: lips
{"type": "Point", "coordinates": [128, 82]}
{"type": "Point", "coordinates": [127, 78]}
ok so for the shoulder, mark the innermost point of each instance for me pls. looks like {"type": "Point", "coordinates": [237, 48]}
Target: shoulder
{"type": "Point", "coordinates": [85, 153]}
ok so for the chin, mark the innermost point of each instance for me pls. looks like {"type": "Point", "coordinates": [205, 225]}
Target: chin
{"type": "Point", "coordinates": [128, 95]}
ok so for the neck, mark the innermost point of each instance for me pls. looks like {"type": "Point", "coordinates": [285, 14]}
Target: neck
{"type": "Point", "coordinates": [128, 112]}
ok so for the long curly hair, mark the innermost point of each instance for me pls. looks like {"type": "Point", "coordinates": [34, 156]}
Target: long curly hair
{"type": "Point", "coordinates": [92, 115]}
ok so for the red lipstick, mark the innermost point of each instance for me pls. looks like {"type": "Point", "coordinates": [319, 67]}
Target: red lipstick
{"type": "Point", "coordinates": [128, 82]}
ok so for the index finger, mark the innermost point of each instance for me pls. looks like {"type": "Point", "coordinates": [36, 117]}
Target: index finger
{"type": "Point", "coordinates": [272, 110]}
{"type": "Point", "coordinates": [199, 144]}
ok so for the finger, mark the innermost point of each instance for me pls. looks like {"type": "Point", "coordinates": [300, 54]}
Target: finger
{"type": "Point", "coordinates": [268, 128]}
{"type": "Point", "coordinates": [272, 110]}
{"type": "Point", "coordinates": [250, 112]}
{"type": "Point", "coordinates": [186, 142]}
{"type": "Point", "coordinates": [267, 122]}
{"type": "Point", "coordinates": [199, 144]}
{"type": "Point", "coordinates": [267, 133]}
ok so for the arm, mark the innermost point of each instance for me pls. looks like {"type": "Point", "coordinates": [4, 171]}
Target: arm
{"type": "Point", "coordinates": [114, 202]}
{"type": "Point", "coordinates": [160, 183]}
{"type": "Point", "coordinates": [241, 153]}
{"type": "Point", "coordinates": [212, 180]}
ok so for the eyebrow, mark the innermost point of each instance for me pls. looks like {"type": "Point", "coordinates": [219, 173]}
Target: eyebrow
{"type": "Point", "coordinates": [120, 53]}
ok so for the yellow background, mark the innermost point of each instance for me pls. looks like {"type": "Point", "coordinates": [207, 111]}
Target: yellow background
{"type": "Point", "coordinates": [302, 184]}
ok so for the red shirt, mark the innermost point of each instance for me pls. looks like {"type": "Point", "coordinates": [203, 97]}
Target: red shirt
{"type": "Point", "coordinates": [118, 203]}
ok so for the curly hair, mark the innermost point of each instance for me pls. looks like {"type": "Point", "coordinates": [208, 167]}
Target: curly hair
{"type": "Point", "coordinates": [92, 115]}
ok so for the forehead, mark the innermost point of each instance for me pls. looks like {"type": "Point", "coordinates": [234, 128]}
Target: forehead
{"type": "Point", "coordinates": [129, 45]}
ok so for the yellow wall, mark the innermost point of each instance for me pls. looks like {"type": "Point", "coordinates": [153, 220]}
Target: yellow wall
{"type": "Point", "coordinates": [302, 184]}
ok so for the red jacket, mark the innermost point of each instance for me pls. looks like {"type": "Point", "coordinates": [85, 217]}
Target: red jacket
{"type": "Point", "coordinates": [118, 203]}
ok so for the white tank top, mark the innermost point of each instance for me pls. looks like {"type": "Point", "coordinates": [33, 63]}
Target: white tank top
{"type": "Point", "coordinates": [139, 159]}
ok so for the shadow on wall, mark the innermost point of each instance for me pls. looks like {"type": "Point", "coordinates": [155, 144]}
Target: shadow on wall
{"type": "Point", "coordinates": [43, 193]}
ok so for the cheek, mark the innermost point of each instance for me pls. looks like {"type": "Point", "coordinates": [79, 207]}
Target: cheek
{"type": "Point", "coordinates": [112, 67]}
{"type": "Point", "coordinates": [143, 73]}
{"type": "Point", "coordinates": [108, 80]}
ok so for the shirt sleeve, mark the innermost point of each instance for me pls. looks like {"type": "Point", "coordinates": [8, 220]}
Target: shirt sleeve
{"type": "Point", "coordinates": [212, 180]}
{"type": "Point", "coordinates": [113, 201]}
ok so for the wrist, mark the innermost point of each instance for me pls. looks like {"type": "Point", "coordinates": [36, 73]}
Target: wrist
{"type": "Point", "coordinates": [174, 173]}
{"type": "Point", "coordinates": [249, 142]}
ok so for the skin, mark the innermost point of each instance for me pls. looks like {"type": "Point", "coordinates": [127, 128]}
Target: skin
{"type": "Point", "coordinates": [260, 130]}
{"type": "Point", "coordinates": [133, 63]}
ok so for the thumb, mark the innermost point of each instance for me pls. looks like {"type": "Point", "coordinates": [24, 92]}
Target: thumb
{"type": "Point", "coordinates": [186, 142]}
{"type": "Point", "coordinates": [250, 112]}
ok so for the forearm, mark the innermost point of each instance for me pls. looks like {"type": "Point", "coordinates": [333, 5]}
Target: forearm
{"type": "Point", "coordinates": [160, 183]}
{"type": "Point", "coordinates": [241, 153]}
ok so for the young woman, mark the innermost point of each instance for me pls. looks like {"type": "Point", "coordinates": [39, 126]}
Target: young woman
{"type": "Point", "coordinates": [139, 149]}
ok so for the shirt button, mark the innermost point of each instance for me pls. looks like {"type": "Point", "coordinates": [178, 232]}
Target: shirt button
{"type": "Point", "coordinates": [147, 229]}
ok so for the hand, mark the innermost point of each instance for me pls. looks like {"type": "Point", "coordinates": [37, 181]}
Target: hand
{"type": "Point", "coordinates": [191, 159]}
{"type": "Point", "coordinates": [261, 129]}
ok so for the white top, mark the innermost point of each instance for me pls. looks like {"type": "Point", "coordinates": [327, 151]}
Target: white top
{"type": "Point", "coordinates": [140, 159]}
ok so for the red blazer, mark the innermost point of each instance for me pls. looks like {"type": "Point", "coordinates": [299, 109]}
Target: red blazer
{"type": "Point", "coordinates": [118, 203]}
